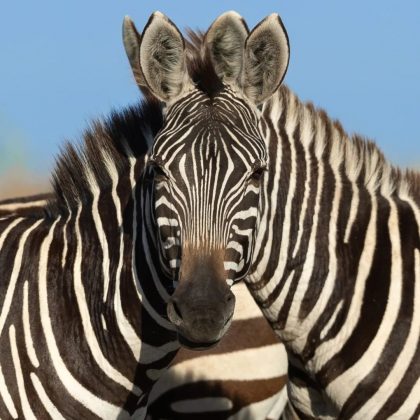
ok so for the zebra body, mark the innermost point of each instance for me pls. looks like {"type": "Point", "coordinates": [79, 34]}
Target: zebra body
{"type": "Point", "coordinates": [341, 284]}
{"type": "Point", "coordinates": [34, 204]}
{"type": "Point", "coordinates": [72, 306]}
{"type": "Point", "coordinates": [331, 247]}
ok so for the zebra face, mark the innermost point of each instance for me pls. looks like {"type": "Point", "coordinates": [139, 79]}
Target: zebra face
{"type": "Point", "coordinates": [208, 161]}
{"type": "Point", "coordinates": [209, 157]}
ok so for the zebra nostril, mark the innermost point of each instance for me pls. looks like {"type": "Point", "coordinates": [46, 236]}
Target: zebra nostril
{"type": "Point", "coordinates": [229, 297]}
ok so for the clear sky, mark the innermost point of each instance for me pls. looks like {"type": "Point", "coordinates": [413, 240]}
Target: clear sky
{"type": "Point", "coordinates": [63, 63]}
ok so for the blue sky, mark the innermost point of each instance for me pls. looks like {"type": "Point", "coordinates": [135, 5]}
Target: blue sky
{"type": "Point", "coordinates": [63, 63]}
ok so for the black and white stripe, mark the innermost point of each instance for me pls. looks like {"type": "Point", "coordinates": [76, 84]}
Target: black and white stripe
{"type": "Point", "coordinates": [244, 377]}
{"type": "Point", "coordinates": [206, 163]}
{"type": "Point", "coordinates": [330, 231]}
{"type": "Point", "coordinates": [222, 176]}
{"type": "Point", "coordinates": [341, 286]}
{"type": "Point", "coordinates": [336, 258]}
{"type": "Point", "coordinates": [34, 204]}
{"type": "Point", "coordinates": [82, 332]}
{"type": "Point", "coordinates": [188, 389]}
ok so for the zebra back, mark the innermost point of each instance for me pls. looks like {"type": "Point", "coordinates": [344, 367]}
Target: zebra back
{"type": "Point", "coordinates": [24, 206]}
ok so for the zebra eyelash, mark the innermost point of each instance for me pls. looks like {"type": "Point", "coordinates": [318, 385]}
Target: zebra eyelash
{"type": "Point", "coordinates": [257, 173]}
{"type": "Point", "coordinates": [158, 170]}
{"type": "Point", "coordinates": [160, 173]}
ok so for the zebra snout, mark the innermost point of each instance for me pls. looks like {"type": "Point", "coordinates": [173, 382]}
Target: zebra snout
{"type": "Point", "coordinates": [201, 322]}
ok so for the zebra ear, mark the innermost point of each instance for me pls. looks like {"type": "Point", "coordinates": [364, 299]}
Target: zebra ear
{"type": "Point", "coordinates": [162, 58]}
{"type": "Point", "coordinates": [225, 40]}
{"type": "Point", "coordinates": [132, 40]}
{"type": "Point", "coordinates": [266, 59]}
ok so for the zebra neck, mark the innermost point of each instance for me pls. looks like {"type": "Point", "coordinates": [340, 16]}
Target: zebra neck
{"type": "Point", "coordinates": [319, 203]}
{"type": "Point", "coordinates": [122, 282]}
{"type": "Point", "coordinates": [91, 311]}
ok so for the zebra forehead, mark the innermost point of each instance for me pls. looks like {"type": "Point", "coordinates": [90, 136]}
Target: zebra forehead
{"type": "Point", "coordinates": [209, 138]}
{"type": "Point", "coordinates": [211, 151]}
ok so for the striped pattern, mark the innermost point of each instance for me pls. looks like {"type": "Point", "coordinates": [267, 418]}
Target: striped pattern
{"type": "Point", "coordinates": [206, 199]}
{"type": "Point", "coordinates": [330, 233]}
{"type": "Point", "coordinates": [72, 305]}
{"type": "Point", "coordinates": [336, 266]}
{"type": "Point", "coordinates": [83, 325]}
{"type": "Point", "coordinates": [243, 377]}
{"type": "Point", "coordinates": [24, 205]}
{"type": "Point", "coordinates": [229, 388]}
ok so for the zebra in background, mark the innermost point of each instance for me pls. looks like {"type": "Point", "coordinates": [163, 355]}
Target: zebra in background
{"type": "Point", "coordinates": [341, 286]}
{"type": "Point", "coordinates": [83, 329]}
{"type": "Point", "coordinates": [210, 384]}
{"type": "Point", "coordinates": [323, 229]}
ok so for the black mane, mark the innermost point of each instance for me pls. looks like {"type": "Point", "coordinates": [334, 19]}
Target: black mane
{"type": "Point", "coordinates": [200, 66]}
{"type": "Point", "coordinates": [134, 127]}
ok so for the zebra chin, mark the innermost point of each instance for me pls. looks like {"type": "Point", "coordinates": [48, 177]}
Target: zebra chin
{"type": "Point", "coordinates": [192, 345]}
{"type": "Point", "coordinates": [196, 343]}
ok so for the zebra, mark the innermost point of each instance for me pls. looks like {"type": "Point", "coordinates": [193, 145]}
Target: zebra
{"type": "Point", "coordinates": [210, 384]}
{"type": "Point", "coordinates": [184, 389]}
{"type": "Point", "coordinates": [83, 329]}
{"type": "Point", "coordinates": [213, 384]}
{"type": "Point", "coordinates": [202, 115]}
{"type": "Point", "coordinates": [324, 231]}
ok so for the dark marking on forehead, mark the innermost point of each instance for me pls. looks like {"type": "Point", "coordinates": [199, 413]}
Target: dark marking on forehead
{"type": "Point", "coordinates": [213, 119]}
{"type": "Point", "coordinates": [200, 66]}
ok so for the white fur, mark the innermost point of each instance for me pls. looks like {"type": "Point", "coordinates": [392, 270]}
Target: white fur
{"type": "Point", "coordinates": [226, 41]}
{"type": "Point", "coordinates": [266, 59]}
{"type": "Point", "coordinates": [163, 59]}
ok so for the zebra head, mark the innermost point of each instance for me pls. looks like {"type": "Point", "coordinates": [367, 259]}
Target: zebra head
{"type": "Point", "coordinates": [209, 157]}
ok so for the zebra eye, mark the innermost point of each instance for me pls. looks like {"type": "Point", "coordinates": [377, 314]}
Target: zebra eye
{"type": "Point", "coordinates": [159, 173]}
{"type": "Point", "coordinates": [258, 173]}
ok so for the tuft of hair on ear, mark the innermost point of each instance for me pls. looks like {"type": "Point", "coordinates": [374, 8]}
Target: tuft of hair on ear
{"type": "Point", "coordinates": [200, 65]}
{"type": "Point", "coordinates": [163, 58]}
{"type": "Point", "coordinates": [226, 40]}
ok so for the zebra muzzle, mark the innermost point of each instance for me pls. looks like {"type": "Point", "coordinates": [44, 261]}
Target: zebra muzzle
{"type": "Point", "coordinates": [201, 322]}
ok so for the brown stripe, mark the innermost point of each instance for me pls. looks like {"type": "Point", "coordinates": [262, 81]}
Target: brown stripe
{"type": "Point", "coordinates": [242, 335]}
{"type": "Point", "coordinates": [240, 393]}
